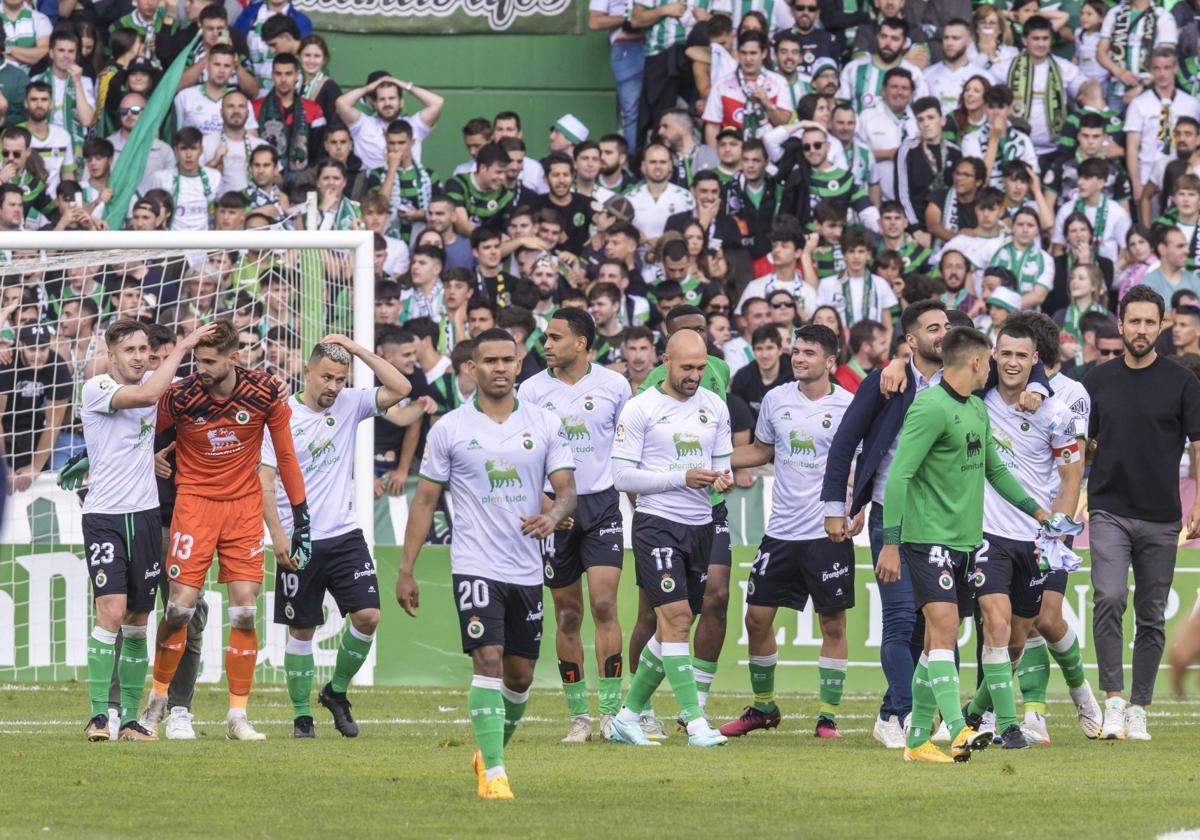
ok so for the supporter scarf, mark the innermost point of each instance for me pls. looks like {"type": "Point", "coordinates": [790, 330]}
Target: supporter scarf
{"type": "Point", "coordinates": [291, 144]}
{"type": "Point", "coordinates": [1017, 263]}
{"type": "Point", "coordinates": [209, 192]}
{"type": "Point", "coordinates": [313, 85]}
{"type": "Point", "coordinates": [70, 118]}
{"type": "Point", "coordinates": [1074, 313]}
{"type": "Point", "coordinates": [955, 300]}
{"type": "Point", "coordinates": [397, 202]}
{"type": "Point", "coordinates": [868, 288]}
{"type": "Point", "coordinates": [753, 115]}
{"type": "Point", "coordinates": [1118, 44]}
{"type": "Point", "coordinates": [1101, 218]}
{"type": "Point", "coordinates": [1020, 81]}
{"type": "Point", "coordinates": [340, 217]}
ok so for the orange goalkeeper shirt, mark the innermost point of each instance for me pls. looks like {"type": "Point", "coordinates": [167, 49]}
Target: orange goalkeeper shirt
{"type": "Point", "coordinates": [218, 442]}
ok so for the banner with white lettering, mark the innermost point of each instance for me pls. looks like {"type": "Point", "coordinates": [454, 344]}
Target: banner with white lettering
{"type": "Point", "coordinates": [447, 17]}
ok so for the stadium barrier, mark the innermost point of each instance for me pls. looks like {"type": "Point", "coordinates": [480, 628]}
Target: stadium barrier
{"type": "Point", "coordinates": [44, 608]}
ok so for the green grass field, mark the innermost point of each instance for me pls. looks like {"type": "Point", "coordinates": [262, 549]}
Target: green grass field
{"type": "Point", "coordinates": [408, 775]}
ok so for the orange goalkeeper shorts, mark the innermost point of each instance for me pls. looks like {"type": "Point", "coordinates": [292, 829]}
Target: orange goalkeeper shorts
{"type": "Point", "coordinates": [232, 529]}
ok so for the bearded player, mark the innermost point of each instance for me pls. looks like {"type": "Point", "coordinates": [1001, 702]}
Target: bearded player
{"type": "Point", "coordinates": [219, 414]}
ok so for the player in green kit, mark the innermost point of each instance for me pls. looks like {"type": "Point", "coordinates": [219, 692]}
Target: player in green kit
{"type": "Point", "coordinates": [710, 631]}
{"type": "Point", "coordinates": [933, 522]}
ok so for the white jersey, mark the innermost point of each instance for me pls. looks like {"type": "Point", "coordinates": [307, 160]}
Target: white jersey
{"type": "Point", "coordinates": [194, 108]}
{"type": "Point", "coordinates": [1072, 394]}
{"type": "Point", "coordinates": [325, 449]}
{"type": "Point", "coordinates": [370, 143]}
{"type": "Point", "coordinates": [589, 410]}
{"type": "Point", "coordinates": [495, 472]}
{"type": "Point", "coordinates": [235, 165]}
{"type": "Point", "coordinates": [195, 196]}
{"type": "Point", "coordinates": [1031, 447]}
{"type": "Point", "coordinates": [861, 301]}
{"type": "Point", "coordinates": [946, 83]}
{"type": "Point", "coordinates": [120, 448]}
{"type": "Point", "coordinates": [666, 435]}
{"type": "Point", "coordinates": [804, 294]}
{"type": "Point", "coordinates": [650, 214]}
{"type": "Point", "coordinates": [57, 152]}
{"type": "Point", "coordinates": [801, 430]}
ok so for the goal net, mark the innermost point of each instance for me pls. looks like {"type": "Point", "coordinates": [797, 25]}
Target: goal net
{"type": "Point", "coordinates": [283, 290]}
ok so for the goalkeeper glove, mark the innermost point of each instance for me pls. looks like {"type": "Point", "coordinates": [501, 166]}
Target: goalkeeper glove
{"type": "Point", "coordinates": [301, 549]}
{"type": "Point", "coordinates": [71, 476]}
{"type": "Point", "coordinates": [1062, 525]}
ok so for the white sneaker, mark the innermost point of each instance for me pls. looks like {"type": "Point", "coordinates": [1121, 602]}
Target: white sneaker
{"type": "Point", "coordinates": [581, 730]}
{"type": "Point", "coordinates": [114, 724]}
{"type": "Point", "coordinates": [987, 723]}
{"type": "Point", "coordinates": [652, 727]}
{"type": "Point", "coordinates": [152, 715]}
{"type": "Point", "coordinates": [1135, 724]}
{"type": "Point", "coordinates": [179, 725]}
{"type": "Point", "coordinates": [1034, 729]}
{"type": "Point", "coordinates": [889, 732]}
{"type": "Point", "coordinates": [1091, 718]}
{"type": "Point", "coordinates": [942, 734]}
{"type": "Point", "coordinates": [606, 727]}
{"type": "Point", "coordinates": [1113, 728]}
{"type": "Point", "coordinates": [239, 729]}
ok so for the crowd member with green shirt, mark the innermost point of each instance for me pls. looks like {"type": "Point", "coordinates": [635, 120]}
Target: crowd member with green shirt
{"type": "Point", "coordinates": [933, 521]}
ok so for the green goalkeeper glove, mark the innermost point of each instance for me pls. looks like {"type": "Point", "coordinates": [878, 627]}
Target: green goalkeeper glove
{"type": "Point", "coordinates": [301, 549]}
{"type": "Point", "coordinates": [71, 476]}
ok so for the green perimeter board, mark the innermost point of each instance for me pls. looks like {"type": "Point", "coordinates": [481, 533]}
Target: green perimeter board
{"type": "Point", "coordinates": [541, 77]}
{"type": "Point", "coordinates": [426, 650]}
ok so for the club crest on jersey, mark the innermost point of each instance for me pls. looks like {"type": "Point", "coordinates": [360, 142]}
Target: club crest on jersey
{"type": "Point", "coordinates": [101, 579]}
{"type": "Point", "coordinates": [173, 570]}
{"type": "Point", "coordinates": [330, 420]}
{"type": "Point", "coordinates": [668, 584]}
{"type": "Point", "coordinates": [243, 417]}
{"type": "Point", "coordinates": [945, 581]}
{"type": "Point", "coordinates": [527, 440]}
{"type": "Point", "coordinates": [703, 417]}
{"type": "Point", "coordinates": [1024, 425]}
{"type": "Point", "coordinates": [750, 587]}
{"type": "Point", "coordinates": [827, 421]}
{"type": "Point", "coordinates": [475, 627]}
{"type": "Point", "coordinates": [978, 578]}
{"type": "Point", "coordinates": [548, 570]}
{"type": "Point", "coordinates": [588, 404]}
{"type": "Point", "coordinates": [289, 611]}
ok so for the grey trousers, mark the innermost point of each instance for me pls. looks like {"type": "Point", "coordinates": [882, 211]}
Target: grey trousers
{"type": "Point", "coordinates": [1117, 543]}
{"type": "Point", "coordinates": [183, 684]}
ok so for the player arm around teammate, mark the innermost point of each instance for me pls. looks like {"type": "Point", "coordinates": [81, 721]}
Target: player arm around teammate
{"type": "Point", "coordinates": [121, 524]}
{"type": "Point", "coordinates": [495, 454]}
{"type": "Point", "coordinates": [324, 421]}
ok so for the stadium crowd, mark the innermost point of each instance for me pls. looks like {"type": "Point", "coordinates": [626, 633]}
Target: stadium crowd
{"type": "Point", "coordinates": [827, 163]}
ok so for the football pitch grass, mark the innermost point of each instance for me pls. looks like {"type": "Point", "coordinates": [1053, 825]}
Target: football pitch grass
{"type": "Point", "coordinates": [408, 775]}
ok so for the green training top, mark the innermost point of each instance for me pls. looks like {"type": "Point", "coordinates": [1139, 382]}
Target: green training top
{"type": "Point", "coordinates": [934, 489]}
{"type": "Point", "coordinates": [715, 378]}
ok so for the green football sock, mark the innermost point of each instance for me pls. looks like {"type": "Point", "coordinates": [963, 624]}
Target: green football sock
{"type": "Point", "coordinates": [610, 695]}
{"type": "Point", "coordinates": [924, 706]}
{"type": "Point", "coordinates": [832, 676]}
{"type": "Point", "coordinates": [998, 677]}
{"type": "Point", "coordinates": [131, 670]}
{"type": "Point", "coordinates": [514, 710]}
{"type": "Point", "coordinates": [647, 678]}
{"type": "Point", "coordinates": [1033, 675]}
{"type": "Point", "coordinates": [486, 706]}
{"type": "Point", "coordinates": [1066, 653]}
{"type": "Point", "coordinates": [352, 653]}
{"type": "Point", "coordinates": [943, 678]}
{"type": "Point", "coordinates": [704, 672]}
{"type": "Point", "coordinates": [574, 687]}
{"type": "Point", "coordinates": [762, 681]}
{"type": "Point", "coordinates": [678, 666]}
{"type": "Point", "coordinates": [982, 701]}
{"type": "Point", "coordinates": [298, 668]}
{"type": "Point", "coordinates": [102, 653]}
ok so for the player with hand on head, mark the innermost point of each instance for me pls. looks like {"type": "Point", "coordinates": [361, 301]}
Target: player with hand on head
{"type": "Point", "coordinates": [122, 533]}
{"type": "Point", "coordinates": [589, 399]}
{"type": "Point", "coordinates": [1042, 450]}
{"type": "Point", "coordinates": [219, 415]}
{"type": "Point", "coordinates": [672, 445]}
{"type": "Point", "coordinates": [932, 522]}
{"type": "Point", "coordinates": [796, 560]}
{"type": "Point", "coordinates": [495, 454]}
{"type": "Point", "coordinates": [324, 423]}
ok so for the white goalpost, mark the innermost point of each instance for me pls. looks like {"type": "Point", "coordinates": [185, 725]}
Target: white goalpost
{"type": "Point", "coordinates": [48, 279]}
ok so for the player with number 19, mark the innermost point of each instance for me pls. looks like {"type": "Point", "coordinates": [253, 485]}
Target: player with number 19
{"type": "Point", "coordinates": [324, 423]}
{"type": "Point", "coordinates": [796, 561]}
{"type": "Point", "coordinates": [495, 454]}
{"type": "Point", "coordinates": [122, 532]}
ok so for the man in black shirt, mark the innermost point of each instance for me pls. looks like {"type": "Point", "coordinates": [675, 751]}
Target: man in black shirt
{"type": "Point", "coordinates": [35, 395]}
{"type": "Point", "coordinates": [1143, 408]}
{"type": "Point", "coordinates": [574, 209]}
{"type": "Point", "coordinates": [815, 42]}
